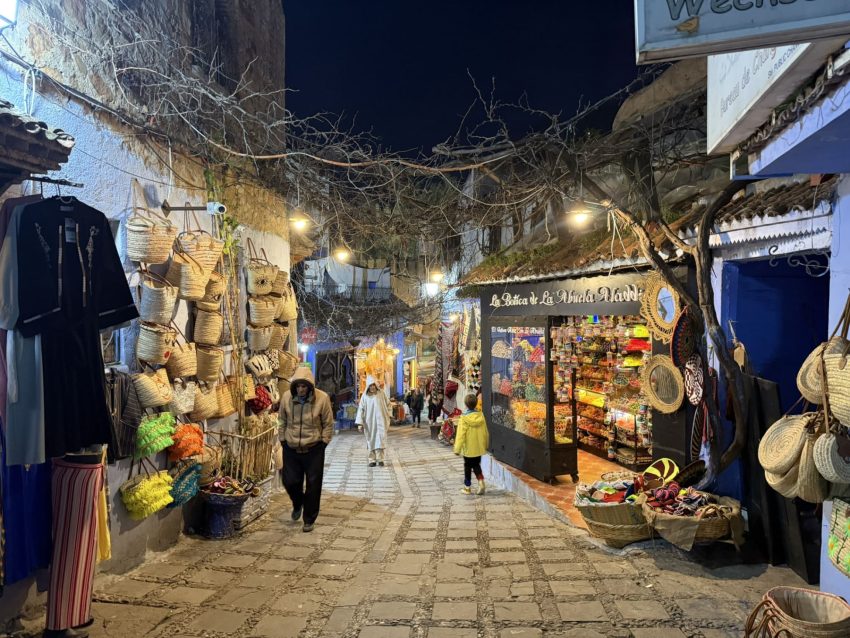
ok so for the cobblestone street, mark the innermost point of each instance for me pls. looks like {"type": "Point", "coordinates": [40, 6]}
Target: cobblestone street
{"type": "Point", "coordinates": [400, 552]}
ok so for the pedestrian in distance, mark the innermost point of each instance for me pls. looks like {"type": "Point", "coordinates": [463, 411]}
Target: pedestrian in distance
{"type": "Point", "coordinates": [471, 441]}
{"type": "Point", "coordinates": [306, 423]}
{"type": "Point", "coordinates": [373, 419]}
{"type": "Point", "coordinates": [435, 406]}
{"type": "Point", "coordinates": [417, 405]}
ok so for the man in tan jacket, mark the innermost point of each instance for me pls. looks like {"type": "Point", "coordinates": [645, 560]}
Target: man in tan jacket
{"type": "Point", "coordinates": [306, 428]}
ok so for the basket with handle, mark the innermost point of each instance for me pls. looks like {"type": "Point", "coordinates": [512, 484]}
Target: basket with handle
{"type": "Point", "coordinates": [187, 441]}
{"type": "Point", "coordinates": [260, 274]}
{"type": "Point", "coordinates": [280, 284]}
{"type": "Point", "coordinates": [280, 332]}
{"type": "Point", "coordinates": [210, 459]}
{"type": "Point", "coordinates": [157, 299]}
{"type": "Point", "coordinates": [149, 236]}
{"type": "Point", "coordinates": [810, 376]}
{"type": "Point", "coordinates": [188, 275]}
{"type": "Point", "coordinates": [154, 434]}
{"type": "Point", "coordinates": [146, 494]}
{"type": "Point", "coordinates": [210, 361]}
{"type": "Point", "coordinates": [182, 397]}
{"type": "Point", "coordinates": [155, 343]}
{"type": "Point", "coordinates": [185, 481]}
{"type": "Point", "coordinates": [788, 612]}
{"type": "Point", "coordinates": [208, 327]}
{"type": "Point", "coordinates": [288, 308]}
{"type": "Point", "coordinates": [225, 399]}
{"type": "Point", "coordinates": [183, 361]}
{"type": "Point", "coordinates": [199, 244]}
{"type": "Point", "coordinates": [258, 337]}
{"type": "Point", "coordinates": [262, 310]}
{"type": "Point", "coordinates": [206, 403]}
{"type": "Point", "coordinates": [214, 294]}
{"type": "Point", "coordinates": [153, 388]}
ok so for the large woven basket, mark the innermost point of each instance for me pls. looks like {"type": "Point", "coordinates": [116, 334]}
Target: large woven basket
{"type": "Point", "coordinates": [157, 300]}
{"type": "Point", "coordinates": [616, 535]}
{"type": "Point", "coordinates": [188, 276]}
{"type": "Point", "coordinates": [202, 247]}
{"type": "Point", "coordinates": [149, 238]}
{"type": "Point", "coordinates": [613, 513]}
{"type": "Point", "coordinates": [262, 310]}
{"type": "Point", "coordinates": [792, 612]}
{"type": "Point", "coordinates": [155, 343]}
{"type": "Point", "coordinates": [780, 447]}
{"type": "Point", "coordinates": [288, 309]}
{"type": "Point", "coordinates": [206, 404]}
{"type": "Point", "coordinates": [278, 337]}
{"type": "Point", "coordinates": [258, 338]}
{"type": "Point", "coordinates": [208, 327]}
{"type": "Point", "coordinates": [210, 460]}
{"type": "Point", "coordinates": [153, 388]}
{"type": "Point", "coordinates": [210, 362]}
{"type": "Point", "coordinates": [279, 286]}
{"type": "Point", "coordinates": [225, 400]}
{"type": "Point", "coordinates": [183, 361]}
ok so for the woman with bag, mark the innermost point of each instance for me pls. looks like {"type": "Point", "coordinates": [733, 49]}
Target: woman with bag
{"type": "Point", "coordinates": [373, 419]}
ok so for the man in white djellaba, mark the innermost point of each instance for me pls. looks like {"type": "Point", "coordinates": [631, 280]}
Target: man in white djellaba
{"type": "Point", "coordinates": [373, 419]}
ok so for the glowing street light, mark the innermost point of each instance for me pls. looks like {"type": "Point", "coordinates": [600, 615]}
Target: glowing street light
{"type": "Point", "coordinates": [299, 224]}
{"type": "Point", "coordinates": [432, 289]}
{"type": "Point", "coordinates": [342, 254]}
{"type": "Point", "coordinates": [437, 276]}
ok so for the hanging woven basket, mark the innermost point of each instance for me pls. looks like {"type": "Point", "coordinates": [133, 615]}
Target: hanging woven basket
{"type": "Point", "coordinates": [183, 361]}
{"type": "Point", "coordinates": [156, 301]}
{"type": "Point", "coordinates": [262, 310]}
{"type": "Point", "coordinates": [280, 284]}
{"type": "Point", "coordinates": [206, 403]}
{"type": "Point", "coordinates": [153, 388]}
{"type": "Point", "coordinates": [210, 361]}
{"type": "Point", "coordinates": [188, 276]}
{"type": "Point", "coordinates": [278, 337]}
{"type": "Point", "coordinates": [149, 237]}
{"type": "Point", "coordinates": [288, 309]}
{"type": "Point", "coordinates": [155, 343]}
{"type": "Point", "coordinates": [182, 397]}
{"type": "Point", "coordinates": [258, 338]}
{"type": "Point", "coordinates": [208, 327]}
{"type": "Point", "coordinates": [225, 404]}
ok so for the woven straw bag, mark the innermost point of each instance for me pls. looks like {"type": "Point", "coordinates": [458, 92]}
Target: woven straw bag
{"type": "Point", "coordinates": [811, 486]}
{"type": "Point", "coordinates": [154, 434]}
{"type": "Point", "coordinates": [155, 343]}
{"type": "Point", "coordinates": [183, 361]}
{"type": "Point", "coordinates": [785, 484]}
{"type": "Point", "coordinates": [225, 404]}
{"type": "Point", "coordinates": [260, 366]}
{"type": "Point", "coordinates": [188, 275]}
{"type": "Point", "coordinates": [249, 388]}
{"type": "Point", "coordinates": [157, 299]}
{"type": "Point", "coordinates": [258, 338]}
{"type": "Point", "coordinates": [210, 362]}
{"type": "Point", "coordinates": [809, 378]}
{"type": "Point", "coordinates": [262, 310]}
{"type": "Point", "coordinates": [182, 397]}
{"type": "Point", "coordinates": [789, 612]}
{"type": "Point", "coordinates": [153, 388]}
{"type": "Point", "coordinates": [208, 327]}
{"type": "Point", "coordinates": [782, 444]}
{"type": "Point", "coordinates": [280, 332]}
{"type": "Point", "coordinates": [215, 289]}
{"type": "Point", "coordinates": [185, 478]}
{"type": "Point", "coordinates": [288, 310]}
{"type": "Point", "coordinates": [187, 441]}
{"type": "Point", "coordinates": [202, 247]}
{"type": "Point", "coordinates": [146, 494]}
{"type": "Point", "coordinates": [206, 403]}
{"type": "Point", "coordinates": [210, 464]}
{"type": "Point", "coordinates": [260, 274]}
{"type": "Point", "coordinates": [149, 237]}
{"type": "Point", "coordinates": [288, 365]}
{"type": "Point", "coordinates": [838, 381]}
{"type": "Point", "coordinates": [831, 465]}
{"type": "Point", "coordinates": [280, 284]}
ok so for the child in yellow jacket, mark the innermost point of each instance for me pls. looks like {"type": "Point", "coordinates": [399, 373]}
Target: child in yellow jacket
{"type": "Point", "coordinates": [472, 440]}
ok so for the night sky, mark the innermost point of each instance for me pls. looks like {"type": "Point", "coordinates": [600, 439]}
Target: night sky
{"type": "Point", "coordinates": [398, 68]}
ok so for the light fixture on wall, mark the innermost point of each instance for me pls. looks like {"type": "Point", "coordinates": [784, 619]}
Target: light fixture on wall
{"type": "Point", "coordinates": [432, 289]}
{"type": "Point", "coordinates": [342, 254]}
{"type": "Point", "coordinates": [437, 276]}
{"type": "Point", "coordinates": [299, 224]}
{"type": "Point", "coordinates": [8, 13]}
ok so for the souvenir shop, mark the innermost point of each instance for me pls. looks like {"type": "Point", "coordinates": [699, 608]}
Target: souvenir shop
{"type": "Point", "coordinates": [576, 367]}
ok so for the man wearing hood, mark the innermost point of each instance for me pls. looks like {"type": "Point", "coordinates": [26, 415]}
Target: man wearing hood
{"type": "Point", "coordinates": [306, 428]}
{"type": "Point", "coordinates": [373, 419]}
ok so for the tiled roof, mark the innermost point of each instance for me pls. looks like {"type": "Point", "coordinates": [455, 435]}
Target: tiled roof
{"type": "Point", "coordinates": [593, 252]}
{"type": "Point", "coordinates": [29, 145]}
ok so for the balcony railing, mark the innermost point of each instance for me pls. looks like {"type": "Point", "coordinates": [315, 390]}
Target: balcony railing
{"type": "Point", "coordinates": [348, 294]}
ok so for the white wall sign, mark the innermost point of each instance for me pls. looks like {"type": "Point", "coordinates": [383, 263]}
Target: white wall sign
{"type": "Point", "coordinates": [674, 29]}
{"type": "Point", "coordinates": [745, 87]}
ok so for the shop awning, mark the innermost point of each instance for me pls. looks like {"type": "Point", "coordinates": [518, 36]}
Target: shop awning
{"type": "Point", "coordinates": [29, 146]}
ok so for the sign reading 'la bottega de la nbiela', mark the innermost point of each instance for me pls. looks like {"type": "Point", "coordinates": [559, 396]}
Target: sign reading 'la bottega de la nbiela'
{"type": "Point", "coordinates": [674, 29]}
{"type": "Point", "coordinates": [603, 294]}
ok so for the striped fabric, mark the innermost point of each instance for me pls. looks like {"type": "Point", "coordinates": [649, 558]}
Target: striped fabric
{"type": "Point", "coordinates": [75, 495]}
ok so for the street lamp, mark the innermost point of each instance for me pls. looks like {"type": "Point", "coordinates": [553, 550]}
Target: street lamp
{"type": "Point", "coordinates": [299, 224]}
{"type": "Point", "coordinates": [342, 254]}
{"type": "Point", "coordinates": [437, 276]}
{"type": "Point", "coordinates": [8, 13]}
{"type": "Point", "coordinates": [432, 289]}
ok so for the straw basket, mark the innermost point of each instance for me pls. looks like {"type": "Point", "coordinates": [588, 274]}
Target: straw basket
{"type": "Point", "coordinates": [206, 404]}
{"type": "Point", "coordinates": [810, 377]}
{"type": "Point", "coordinates": [247, 456]}
{"type": "Point", "coordinates": [208, 327]}
{"type": "Point", "coordinates": [182, 396]}
{"type": "Point", "coordinates": [781, 445]}
{"type": "Point", "coordinates": [288, 365]}
{"type": "Point", "coordinates": [149, 238]}
{"type": "Point", "coordinates": [155, 343]}
{"type": "Point", "coordinates": [216, 286]}
{"type": "Point", "coordinates": [811, 486]}
{"type": "Point", "coordinates": [225, 404]}
{"type": "Point", "coordinates": [279, 286]}
{"type": "Point", "coordinates": [188, 276]}
{"type": "Point", "coordinates": [788, 612]}
{"type": "Point", "coordinates": [202, 247]}
{"type": "Point", "coordinates": [210, 363]}
{"type": "Point", "coordinates": [183, 361]}
{"type": "Point", "coordinates": [210, 460]}
{"type": "Point", "coordinates": [288, 309]}
{"type": "Point", "coordinates": [153, 388]}
{"type": "Point", "coordinates": [156, 303]}
{"type": "Point", "coordinates": [258, 338]}
{"type": "Point", "coordinates": [262, 310]}
{"type": "Point", "coordinates": [612, 514]}
{"type": "Point", "coordinates": [278, 337]}
{"type": "Point", "coordinates": [618, 536]}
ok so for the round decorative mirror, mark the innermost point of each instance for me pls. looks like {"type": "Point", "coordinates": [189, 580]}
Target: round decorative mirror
{"type": "Point", "coordinates": [663, 384]}
{"type": "Point", "coordinates": [660, 307]}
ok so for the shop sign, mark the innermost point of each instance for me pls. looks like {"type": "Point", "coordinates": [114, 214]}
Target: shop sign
{"type": "Point", "coordinates": [673, 29]}
{"type": "Point", "coordinates": [622, 293]}
{"type": "Point", "coordinates": [745, 87]}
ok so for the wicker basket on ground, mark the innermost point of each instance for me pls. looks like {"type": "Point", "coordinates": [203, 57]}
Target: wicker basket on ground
{"type": "Point", "coordinates": [618, 524]}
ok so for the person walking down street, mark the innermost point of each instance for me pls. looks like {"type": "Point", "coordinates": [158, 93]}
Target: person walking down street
{"type": "Point", "coordinates": [417, 405]}
{"type": "Point", "coordinates": [435, 406]}
{"type": "Point", "coordinates": [373, 419]}
{"type": "Point", "coordinates": [306, 427]}
{"type": "Point", "coordinates": [471, 441]}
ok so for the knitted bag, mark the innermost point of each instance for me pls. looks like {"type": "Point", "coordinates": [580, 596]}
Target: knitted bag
{"type": "Point", "coordinates": [185, 481]}
{"type": "Point", "coordinates": [154, 434]}
{"type": "Point", "coordinates": [187, 440]}
{"type": "Point", "coordinates": [146, 494]}
{"type": "Point", "coordinates": [262, 401]}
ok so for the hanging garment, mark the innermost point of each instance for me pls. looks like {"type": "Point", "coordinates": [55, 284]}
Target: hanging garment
{"type": "Point", "coordinates": [75, 287]}
{"type": "Point", "coordinates": [26, 516]}
{"type": "Point", "coordinates": [374, 415]}
{"type": "Point", "coordinates": [24, 404]}
{"type": "Point", "coordinates": [75, 491]}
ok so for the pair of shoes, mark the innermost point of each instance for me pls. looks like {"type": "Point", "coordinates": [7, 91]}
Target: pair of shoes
{"type": "Point", "coordinates": [296, 514]}
{"type": "Point", "coordinates": [466, 490]}
{"type": "Point", "coordinates": [480, 490]}
{"type": "Point", "coordinates": [372, 464]}
{"type": "Point", "coordinates": [308, 527]}
{"type": "Point", "coordinates": [381, 463]}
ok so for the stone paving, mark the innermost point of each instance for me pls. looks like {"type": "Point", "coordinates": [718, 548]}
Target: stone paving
{"type": "Point", "coordinates": [400, 552]}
